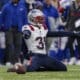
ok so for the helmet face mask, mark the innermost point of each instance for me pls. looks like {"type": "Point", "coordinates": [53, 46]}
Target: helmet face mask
{"type": "Point", "coordinates": [39, 19]}
{"type": "Point", "coordinates": [36, 17]}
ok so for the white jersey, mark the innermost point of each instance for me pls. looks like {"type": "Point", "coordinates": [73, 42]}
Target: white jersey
{"type": "Point", "coordinates": [36, 42]}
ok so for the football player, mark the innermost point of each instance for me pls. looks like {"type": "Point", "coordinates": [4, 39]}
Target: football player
{"type": "Point", "coordinates": [35, 35]}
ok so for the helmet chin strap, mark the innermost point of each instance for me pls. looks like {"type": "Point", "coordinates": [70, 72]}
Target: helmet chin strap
{"type": "Point", "coordinates": [37, 25]}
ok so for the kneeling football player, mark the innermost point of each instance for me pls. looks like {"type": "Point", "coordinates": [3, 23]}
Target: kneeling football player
{"type": "Point", "coordinates": [34, 35]}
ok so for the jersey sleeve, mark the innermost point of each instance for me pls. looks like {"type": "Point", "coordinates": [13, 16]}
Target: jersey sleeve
{"type": "Point", "coordinates": [26, 32]}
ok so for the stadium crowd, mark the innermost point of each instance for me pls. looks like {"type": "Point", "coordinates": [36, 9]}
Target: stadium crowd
{"type": "Point", "coordinates": [61, 15]}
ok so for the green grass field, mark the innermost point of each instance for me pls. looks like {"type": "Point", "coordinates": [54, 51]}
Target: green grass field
{"type": "Point", "coordinates": [73, 73]}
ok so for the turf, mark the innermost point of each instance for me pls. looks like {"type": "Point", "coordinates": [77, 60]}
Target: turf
{"type": "Point", "coordinates": [73, 73]}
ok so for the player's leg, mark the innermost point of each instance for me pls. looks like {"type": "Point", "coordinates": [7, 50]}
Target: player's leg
{"type": "Point", "coordinates": [70, 45]}
{"type": "Point", "coordinates": [53, 64]}
{"type": "Point", "coordinates": [78, 41]}
{"type": "Point", "coordinates": [2, 47]}
{"type": "Point", "coordinates": [17, 46]}
{"type": "Point", "coordinates": [9, 47]}
{"type": "Point", "coordinates": [78, 54]}
{"type": "Point", "coordinates": [34, 64]}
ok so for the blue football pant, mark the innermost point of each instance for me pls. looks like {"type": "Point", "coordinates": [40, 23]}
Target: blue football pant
{"type": "Point", "coordinates": [48, 63]}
